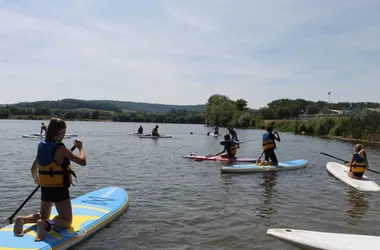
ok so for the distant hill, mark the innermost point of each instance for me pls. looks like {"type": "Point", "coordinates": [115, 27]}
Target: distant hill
{"type": "Point", "coordinates": [109, 105]}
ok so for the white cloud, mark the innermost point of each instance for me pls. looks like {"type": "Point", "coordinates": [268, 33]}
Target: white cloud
{"type": "Point", "coordinates": [181, 52]}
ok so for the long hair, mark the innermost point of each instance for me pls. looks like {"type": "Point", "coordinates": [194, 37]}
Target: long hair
{"type": "Point", "coordinates": [56, 125]}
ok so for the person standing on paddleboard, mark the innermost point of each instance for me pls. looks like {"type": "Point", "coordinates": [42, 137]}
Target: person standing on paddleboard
{"type": "Point", "coordinates": [269, 145]}
{"type": "Point", "coordinates": [140, 130]}
{"type": "Point", "coordinates": [54, 177]}
{"type": "Point", "coordinates": [359, 163]}
{"type": "Point", "coordinates": [216, 130]}
{"type": "Point", "coordinates": [155, 131]}
{"type": "Point", "coordinates": [233, 133]}
{"type": "Point", "coordinates": [43, 128]}
{"type": "Point", "coordinates": [229, 150]}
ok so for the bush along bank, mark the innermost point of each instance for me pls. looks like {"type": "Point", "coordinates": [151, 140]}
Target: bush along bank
{"type": "Point", "coordinates": [361, 125]}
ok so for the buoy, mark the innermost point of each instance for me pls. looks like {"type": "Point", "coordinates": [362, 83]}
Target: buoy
{"type": "Point", "coordinates": [303, 133]}
{"type": "Point", "coordinates": [191, 133]}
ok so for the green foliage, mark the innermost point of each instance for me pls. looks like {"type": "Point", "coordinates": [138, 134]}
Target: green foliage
{"type": "Point", "coordinates": [4, 113]}
{"type": "Point", "coordinates": [266, 113]}
{"type": "Point", "coordinates": [362, 124]}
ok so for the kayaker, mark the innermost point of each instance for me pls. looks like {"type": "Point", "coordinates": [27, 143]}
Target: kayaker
{"type": "Point", "coordinates": [140, 130]}
{"type": "Point", "coordinates": [359, 163]}
{"type": "Point", "coordinates": [155, 131]}
{"type": "Point", "coordinates": [269, 145]}
{"type": "Point", "coordinates": [216, 130]}
{"type": "Point", "coordinates": [43, 128]}
{"type": "Point", "coordinates": [52, 156]}
{"type": "Point", "coordinates": [229, 150]}
{"type": "Point", "coordinates": [233, 133]}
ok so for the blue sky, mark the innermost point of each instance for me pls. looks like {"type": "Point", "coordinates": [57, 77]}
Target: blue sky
{"type": "Point", "coordinates": [182, 52]}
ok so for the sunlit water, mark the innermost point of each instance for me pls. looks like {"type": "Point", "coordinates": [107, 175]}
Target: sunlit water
{"type": "Point", "coordinates": [177, 203]}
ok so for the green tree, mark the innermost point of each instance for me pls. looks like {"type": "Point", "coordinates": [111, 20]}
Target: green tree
{"type": "Point", "coordinates": [95, 115]}
{"type": "Point", "coordinates": [241, 104]}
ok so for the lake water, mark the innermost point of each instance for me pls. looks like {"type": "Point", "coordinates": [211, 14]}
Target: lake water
{"type": "Point", "coordinates": [177, 203]}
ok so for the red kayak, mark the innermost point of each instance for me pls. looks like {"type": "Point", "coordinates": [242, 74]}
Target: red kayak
{"type": "Point", "coordinates": [218, 158]}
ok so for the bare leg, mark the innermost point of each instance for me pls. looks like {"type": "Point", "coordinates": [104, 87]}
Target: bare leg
{"type": "Point", "coordinates": [65, 214]}
{"type": "Point", "coordinates": [42, 226]}
{"type": "Point", "coordinates": [21, 220]}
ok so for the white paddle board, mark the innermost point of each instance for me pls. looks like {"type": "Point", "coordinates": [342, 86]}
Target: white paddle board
{"type": "Point", "coordinates": [325, 240]}
{"type": "Point", "coordinates": [339, 171]}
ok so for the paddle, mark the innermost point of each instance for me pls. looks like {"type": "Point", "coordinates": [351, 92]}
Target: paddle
{"type": "Point", "coordinates": [347, 161]}
{"type": "Point", "coordinates": [10, 219]}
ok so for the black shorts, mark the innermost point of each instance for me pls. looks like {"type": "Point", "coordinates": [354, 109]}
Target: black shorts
{"type": "Point", "coordinates": [358, 174]}
{"type": "Point", "coordinates": [54, 194]}
{"type": "Point", "coordinates": [269, 154]}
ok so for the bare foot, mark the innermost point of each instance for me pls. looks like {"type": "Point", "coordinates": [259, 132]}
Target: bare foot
{"type": "Point", "coordinates": [40, 231]}
{"type": "Point", "coordinates": [18, 227]}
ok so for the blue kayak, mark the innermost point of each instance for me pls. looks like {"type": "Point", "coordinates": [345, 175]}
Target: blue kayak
{"type": "Point", "coordinates": [256, 168]}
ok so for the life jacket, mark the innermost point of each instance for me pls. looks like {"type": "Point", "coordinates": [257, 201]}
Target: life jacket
{"type": "Point", "coordinates": [232, 146]}
{"type": "Point", "coordinates": [359, 165]}
{"type": "Point", "coordinates": [154, 131]}
{"type": "Point", "coordinates": [51, 174]}
{"type": "Point", "coordinates": [268, 143]}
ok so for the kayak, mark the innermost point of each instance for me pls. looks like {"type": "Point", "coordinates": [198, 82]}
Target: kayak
{"type": "Point", "coordinates": [155, 137]}
{"type": "Point", "coordinates": [217, 158]}
{"type": "Point", "coordinates": [70, 135]}
{"type": "Point", "coordinates": [325, 240]}
{"type": "Point", "coordinates": [91, 212]}
{"type": "Point", "coordinates": [339, 171]}
{"type": "Point", "coordinates": [38, 136]}
{"type": "Point", "coordinates": [255, 168]}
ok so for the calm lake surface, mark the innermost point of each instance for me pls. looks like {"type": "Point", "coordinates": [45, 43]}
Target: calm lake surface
{"type": "Point", "coordinates": [177, 203]}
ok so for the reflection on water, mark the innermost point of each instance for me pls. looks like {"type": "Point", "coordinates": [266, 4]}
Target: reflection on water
{"type": "Point", "coordinates": [266, 198]}
{"type": "Point", "coordinates": [358, 204]}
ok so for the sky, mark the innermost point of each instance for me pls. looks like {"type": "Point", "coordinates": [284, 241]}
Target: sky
{"type": "Point", "coordinates": [182, 52]}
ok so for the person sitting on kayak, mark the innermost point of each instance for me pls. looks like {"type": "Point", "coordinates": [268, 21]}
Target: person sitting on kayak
{"type": "Point", "coordinates": [269, 145]}
{"type": "Point", "coordinates": [43, 128]}
{"type": "Point", "coordinates": [140, 130]}
{"type": "Point", "coordinates": [54, 177]}
{"type": "Point", "coordinates": [358, 164]}
{"type": "Point", "coordinates": [216, 130]}
{"type": "Point", "coordinates": [233, 133]}
{"type": "Point", "coordinates": [155, 131]}
{"type": "Point", "coordinates": [229, 150]}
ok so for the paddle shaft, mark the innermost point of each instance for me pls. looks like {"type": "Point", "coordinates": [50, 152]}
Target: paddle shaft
{"type": "Point", "coordinates": [27, 199]}
{"type": "Point", "coordinates": [347, 161]}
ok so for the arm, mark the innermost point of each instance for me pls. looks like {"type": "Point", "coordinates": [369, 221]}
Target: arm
{"type": "Point", "coordinates": [78, 159]}
{"type": "Point", "coordinates": [349, 164]}
{"type": "Point", "coordinates": [277, 136]}
{"type": "Point", "coordinates": [34, 172]}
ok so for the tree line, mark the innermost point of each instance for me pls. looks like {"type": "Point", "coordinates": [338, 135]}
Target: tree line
{"type": "Point", "coordinates": [173, 116]}
{"type": "Point", "coordinates": [109, 105]}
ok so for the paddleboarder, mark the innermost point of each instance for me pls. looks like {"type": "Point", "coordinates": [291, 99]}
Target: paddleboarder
{"type": "Point", "coordinates": [229, 150]}
{"type": "Point", "coordinates": [359, 163]}
{"type": "Point", "coordinates": [269, 145]}
{"type": "Point", "coordinates": [44, 127]}
{"type": "Point", "coordinates": [54, 177]}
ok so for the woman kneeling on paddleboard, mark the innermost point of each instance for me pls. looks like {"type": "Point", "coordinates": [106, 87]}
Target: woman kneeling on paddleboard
{"type": "Point", "coordinates": [359, 163]}
{"type": "Point", "coordinates": [230, 148]}
{"type": "Point", "coordinates": [54, 177]}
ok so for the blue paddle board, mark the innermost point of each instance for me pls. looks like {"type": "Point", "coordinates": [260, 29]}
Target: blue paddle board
{"type": "Point", "coordinates": [255, 168]}
{"type": "Point", "coordinates": [91, 212]}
